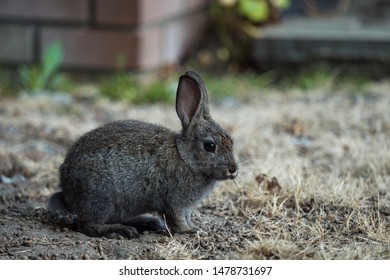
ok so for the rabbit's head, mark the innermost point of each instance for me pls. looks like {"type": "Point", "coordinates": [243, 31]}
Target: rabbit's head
{"type": "Point", "coordinates": [202, 144]}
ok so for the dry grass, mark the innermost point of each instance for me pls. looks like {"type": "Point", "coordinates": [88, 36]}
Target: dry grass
{"type": "Point", "coordinates": [331, 157]}
{"type": "Point", "coordinates": [329, 154]}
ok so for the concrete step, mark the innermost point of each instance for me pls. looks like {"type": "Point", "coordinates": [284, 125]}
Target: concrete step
{"type": "Point", "coordinates": [340, 38]}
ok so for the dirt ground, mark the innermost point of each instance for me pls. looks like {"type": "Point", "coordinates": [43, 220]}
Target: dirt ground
{"type": "Point", "coordinates": [314, 179]}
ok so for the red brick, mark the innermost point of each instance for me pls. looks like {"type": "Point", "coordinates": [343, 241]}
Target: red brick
{"type": "Point", "coordinates": [117, 11]}
{"type": "Point", "coordinates": [164, 32]}
{"type": "Point", "coordinates": [87, 48]}
{"type": "Point", "coordinates": [45, 10]}
{"type": "Point", "coordinates": [137, 11]}
{"type": "Point", "coordinates": [16, 43]}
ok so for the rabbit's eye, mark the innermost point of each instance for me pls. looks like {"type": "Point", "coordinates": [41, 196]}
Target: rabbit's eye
{"type": "Point", "coordinates": [209, 146]}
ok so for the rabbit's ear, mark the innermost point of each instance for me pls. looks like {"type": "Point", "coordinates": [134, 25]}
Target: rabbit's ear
{"type": "Point", "coordinates": [191, 99]}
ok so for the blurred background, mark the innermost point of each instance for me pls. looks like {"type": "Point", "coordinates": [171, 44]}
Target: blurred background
{"type": "Point", "coordinates": [121, 45]}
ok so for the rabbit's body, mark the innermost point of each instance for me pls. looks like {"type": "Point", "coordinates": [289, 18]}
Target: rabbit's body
{"type": "Point", "coordinates": [117, 172]}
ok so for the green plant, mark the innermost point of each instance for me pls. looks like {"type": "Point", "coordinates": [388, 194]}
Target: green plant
{"type": "Point", "coordinates": [320, 75]}
{"type": "Point", "coordinates": [240, 21]}
{"type": "Point", "coordinates": [120, 85]}
{"type": "Point", "coordinates": [258, 11]}
{"type": "Point", "coordinates": [124, 86]}
{"type": "Point", "coordinates": [156, 92]}
{"type": "Point", "coordinates": [312, 77]}
{"type": "Point", "coordinates": [241, 86]}
{"type": "Point", "coordinates": [44, 75]}
{"type": "Point", "coordinates": [7, 83]}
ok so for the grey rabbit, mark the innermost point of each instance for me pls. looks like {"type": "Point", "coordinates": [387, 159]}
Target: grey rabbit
{"type": "Point", "coordinates": [113, 176]}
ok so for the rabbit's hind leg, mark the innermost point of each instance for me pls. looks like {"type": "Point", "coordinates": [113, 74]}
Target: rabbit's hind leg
{"type": "Point", "coordinates": [147, 222]}
{"type": "Point", "coordinates": [112, 231]}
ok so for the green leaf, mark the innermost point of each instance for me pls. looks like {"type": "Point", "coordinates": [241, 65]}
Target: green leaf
{"type": "Point", "coordinates": [51, 60]}
{"type": "Point", "coordinates": [29, 77]}
{"type": "Point", "coordinates": [254, 10]}
{"type": "Point", "coordinates": [24, 76]}
{"type": "Point", "coordinates": [120, 86]}
{"type": "Point", "coordinates": [156, 92]}
{"type": "Point", "coordinates": [281, 4]}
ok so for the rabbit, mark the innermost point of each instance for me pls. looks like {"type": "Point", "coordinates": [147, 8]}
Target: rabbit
{"type": "Point", "coordinates": [113, 176]}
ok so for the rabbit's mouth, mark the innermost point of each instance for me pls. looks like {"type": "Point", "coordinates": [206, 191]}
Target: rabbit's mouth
{"type": "Point", "coordinates": [233, 175]}
{"type": "Point", "coordinates": [229, 175]}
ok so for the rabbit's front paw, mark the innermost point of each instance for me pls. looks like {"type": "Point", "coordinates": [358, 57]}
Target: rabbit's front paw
{"type": "Point", "coordinates": [191, 230]}
{"type": "Point", "coordinates": [182, 229]}
{"type": "Point", "coordinates": [179, 221]}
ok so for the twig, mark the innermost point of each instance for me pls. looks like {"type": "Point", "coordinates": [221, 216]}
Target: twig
{"type": "Point", "coordinates": [166, 226]}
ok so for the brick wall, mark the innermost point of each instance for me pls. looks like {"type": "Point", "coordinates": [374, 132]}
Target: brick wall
{"type": "Point", "coordinates": [93, 33]}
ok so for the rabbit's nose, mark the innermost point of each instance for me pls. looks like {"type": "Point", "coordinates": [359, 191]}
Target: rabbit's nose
{"type": "Point", "coordinates": [233, 169]}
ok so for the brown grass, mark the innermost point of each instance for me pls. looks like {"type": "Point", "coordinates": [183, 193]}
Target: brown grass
{"type": "Point", "coordinates": [331, 156]}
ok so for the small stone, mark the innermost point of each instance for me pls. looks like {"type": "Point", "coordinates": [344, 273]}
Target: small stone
{"type": "Point", "coordinates": [27, 243]}
{"type": "Point", "coordinates": [233, 239]}
{"type": "Point", "coordinates": [163, 239]}
{"type": "Point", "coordinates": [204, 244]}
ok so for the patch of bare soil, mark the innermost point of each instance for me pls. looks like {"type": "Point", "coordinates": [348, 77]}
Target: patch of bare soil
{"type": "Point", "coordinates": [314, 180]}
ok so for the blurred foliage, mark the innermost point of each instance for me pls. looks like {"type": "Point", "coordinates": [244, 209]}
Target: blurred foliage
{"type": "Point", "coordinates": [244, 86]}
{"type": "Point", "coordinates": [312, 77]}
{"type": "Point", "coordinates": [321, 75]}
{"type": "Point", "coordinates": [259, 11]}
{"type": "Point", "coordinates": [45, 76]}
{"type": "Point", "coordinates": [157, 92]}
{"type": "Point", "coordinates": [120, 86]}
{"type": "Point", "coordinates": [241, 86]}
{"type": "Point", "coordinates": [237, 22]}
{"type": "Point", "coordinates": [7, 83]}
{"type": "Point", "coordinates": [124, 86]}
{"type": "Point", "coordinates": [228, 87]}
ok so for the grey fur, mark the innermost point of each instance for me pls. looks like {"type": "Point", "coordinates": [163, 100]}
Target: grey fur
{"type": "Point", "coordinates": [124, 169]}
